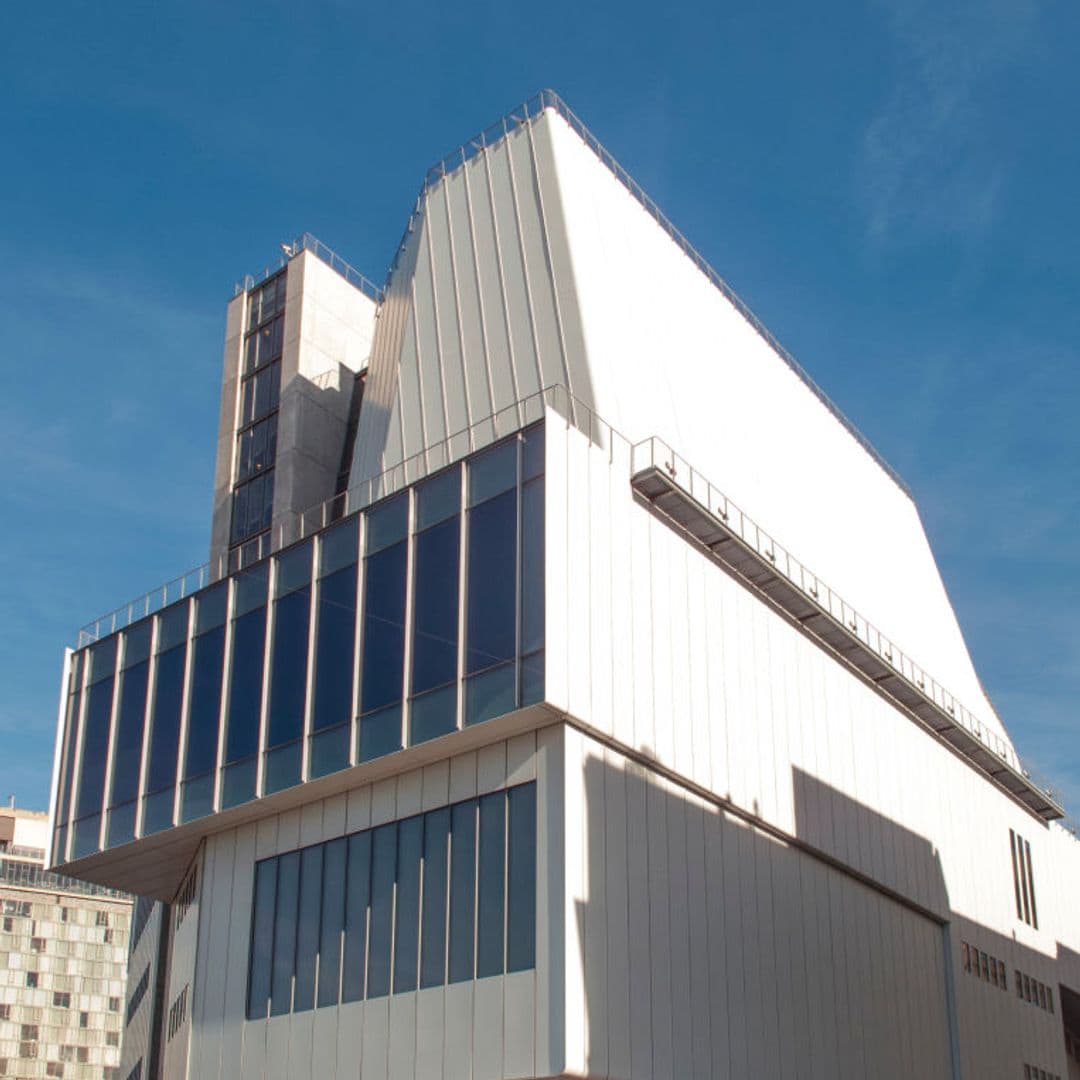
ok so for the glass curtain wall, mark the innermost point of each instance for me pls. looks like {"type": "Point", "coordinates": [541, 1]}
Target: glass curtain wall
{"type": "Point", "coordinates": [440, 897]}
{"type": "Point", "coordinates": [398, 625]}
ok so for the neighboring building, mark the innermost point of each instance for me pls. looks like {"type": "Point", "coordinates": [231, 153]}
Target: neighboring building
{"type": "Point", "coordinates": [63, 962]}
{"type": "Point", "coordinates": [535, 715]}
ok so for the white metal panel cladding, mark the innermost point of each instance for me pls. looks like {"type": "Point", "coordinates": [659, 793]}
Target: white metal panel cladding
{"type": "Point", "coordinates": [400, 1035]}
{"type": "Point", "coordinates": [479, 282]}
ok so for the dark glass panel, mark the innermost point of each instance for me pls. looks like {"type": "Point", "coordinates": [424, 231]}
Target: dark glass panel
{"type": "Point", "coordinates": [433, 714]}
{"type": "Point", "coordinates": [158, 811]}
{"type": "Point", "coordinates": [288, 893]}
{"type": "Point", "coordinates": [438, 498]}
{"type": "Point", "coordinates": [238, 782]}
{"type": "Point", "coordinates": [490, 898]}
{"type": "Point", "coordinates": [387, 523]}
{"type": "Point", "coordinates": [435, 606]}
{"type": "Point", "coordinates": [339, 546]}
{"type": "Point", "coordinates": [102, 660]}
{"type": "Point", "coordinates": [71, 744]}
{"type": "Point", "coordinates": [262, 939]}
{"type": "Point", "coordinates": [407, 904]}
{"type": "Point", "coordinates": [211, 608]}
{"type": "Point", "coordinates": [198, 797]}
{"type": "Point", "coordinates": [249, 589]}
{"type": "Point", "coordinates": [165, 719]}
{"type": "Point", "coordinates": [492, 601]}
{"type": "Point", "coordinates": [245, 685]}
{"type": "Point", "coordinates": [433, 938]}
{"type": "Point", "coordinates": [86, 836]}
{"type": "Point", "coordinates": [329, 751]}
{"type": "Point", "coordinates": [293, 570]}
{"type": "Point", "coordinates": [493, 471]}
{"type": "Point", "coordinates": [489, 694]}
{"type": "Point", "coordinates": [532, 678]}
{"type": "Point", "coordinates": [383, 857]}
{"type": "Point", "coordinates": [207, 663]}
{"type": "Point", "coordinates": [332, 921]}
{"type": "Point", "coordinates": [462, 890]}
{"type": "Point", "coordinates": [283, 767]}
{"type": "Point", "coordinates": [380, 733]}
{"type": "Point", "coordinates": [384, 628]}
{"type": "Point", "coordinates": [120, 827]}
{"type": "Point", "coordinates": [335, 638]}
{"type": "Point", "coordinates": [357, 902]}
{"type": "Point", "coordinates": [521, 878]}
{"type": "Point", "coordinates": [532, 566]}
{"type": "Point", "coordinates": [288, 667]}
{"type": "Point", "coordinates": [532, 452]}
{"type": "Point", "coordinates": [136, 644]}
{"type": "Point", "coordinates": [172, 627]}
{"type": "Point", "coordinates": [95, 747]}
{"type": "Point", "coordinates": [131, 713]}
{"type": "Point", "coordinates": [307, 927]}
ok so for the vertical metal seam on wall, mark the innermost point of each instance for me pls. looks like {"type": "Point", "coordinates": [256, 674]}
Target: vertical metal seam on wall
{"type": "Point", "coordinates": [550, 262]}
{"type": "Point", "coordinates": [440, 358]}
{"type": "Point", "coordinates": [151, 686]}
{"type": "Point", "coordinates": [481, 311]}
{"type": "Point", "coordinates": [511, 358]}
{"type": "Point", "coordinates": [529, 304]}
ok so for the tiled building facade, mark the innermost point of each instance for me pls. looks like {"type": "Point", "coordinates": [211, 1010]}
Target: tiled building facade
{"type": "Point", "coordinates": [63, 963]}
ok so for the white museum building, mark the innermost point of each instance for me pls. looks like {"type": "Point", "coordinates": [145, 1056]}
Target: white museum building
{"type": "Point", "coordinates": [571, 691]}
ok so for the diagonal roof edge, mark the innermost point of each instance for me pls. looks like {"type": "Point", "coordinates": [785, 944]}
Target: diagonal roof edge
{"type": "Point", "coordinates": [527, 112]}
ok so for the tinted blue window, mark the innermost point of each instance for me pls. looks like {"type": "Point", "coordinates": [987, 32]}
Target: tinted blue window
{"type": "Point", "coordinates": [335, 637]}
{"type": "Point", "coordinates": [493, 471]}
{"type": "Point", "coordinates": [262, 938]}
{"type": "Point", "coordinates": [433, 937]}
{"type": "Point", "coordinates": [380, 733]}
{"type": "Point", "coordinates": [288, 895]}
{"type": "Point", "coordinates": [462, 890]}
{"type": "Point", "coordinates": [71, 743]}
{"type": "Point", "coordinates": [245, 689]}
{"type": "Point", "coordinates": [532, 452]}
{"type": "Point", "coordinates": [435, 606]}
{"type": "Point", "coordinates": [433, 714]}
{"type": "Point", "coordinates": [357, 902]}
{"type": "Point", "coordinates": [332, 921]}
{"type": "Point", "coordinates": [532, 566]}
{"type": "Point", "coordinates": [387, 523]}
{"type": "Point", "coordinates": [383, 858]}
{"type": "Point", "coordinates": [521, 878]}
{"type": "Point", "coordinates": [129, 732]}
{"type": "Point", "coordinates": [384, 627]}
{"type": "Point", "coordinates": [407, 904]}
{"type": "Point", "coordinates": [338, 547]}
{"type": "Point", "coordinates": [329, 751]}
{"type": "Point", "coordinates": [490, 900]}
{"type": "Point", "coordinates": [307, 927]}
{"type": "Point", "coordinates": [492, 573]}
{"type": "Point", "coordinates": [288, 667]}
{"type": "Point", "coordinates": [207, 666]}
{"type": "Point", "coordinates": [95, 747]}
{"type": "Point", "coordinates": [165, 719]}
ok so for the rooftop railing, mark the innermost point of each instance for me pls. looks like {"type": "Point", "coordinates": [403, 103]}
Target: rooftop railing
{"type": "Point", "coordinates": [295, 526]}
{"type": "Point", "coordinates": [307, 242]}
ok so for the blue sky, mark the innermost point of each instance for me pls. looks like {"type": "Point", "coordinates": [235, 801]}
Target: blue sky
{"type": "Point", "coordinates": [891, 185]}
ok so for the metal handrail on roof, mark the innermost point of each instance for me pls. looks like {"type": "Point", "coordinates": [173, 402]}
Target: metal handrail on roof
{"type": "Point", "coordinates": [530, 110]}
{"type": "Point", "coordinates": [307, 242]}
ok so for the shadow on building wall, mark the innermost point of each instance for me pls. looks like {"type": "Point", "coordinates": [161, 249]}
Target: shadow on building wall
{"type": "Point", "coordinates": [712, 947]}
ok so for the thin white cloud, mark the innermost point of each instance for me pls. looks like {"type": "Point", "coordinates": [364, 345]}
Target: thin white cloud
{"type": "Point", "coordinates": [927, 162]}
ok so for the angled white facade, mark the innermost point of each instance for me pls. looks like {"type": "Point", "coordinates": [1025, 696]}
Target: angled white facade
{"type": "Point", "coordinates": [582, 698]}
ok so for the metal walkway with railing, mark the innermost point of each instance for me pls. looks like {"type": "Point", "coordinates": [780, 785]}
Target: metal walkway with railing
{"type": "Point", "coordinates": [695, 507]}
